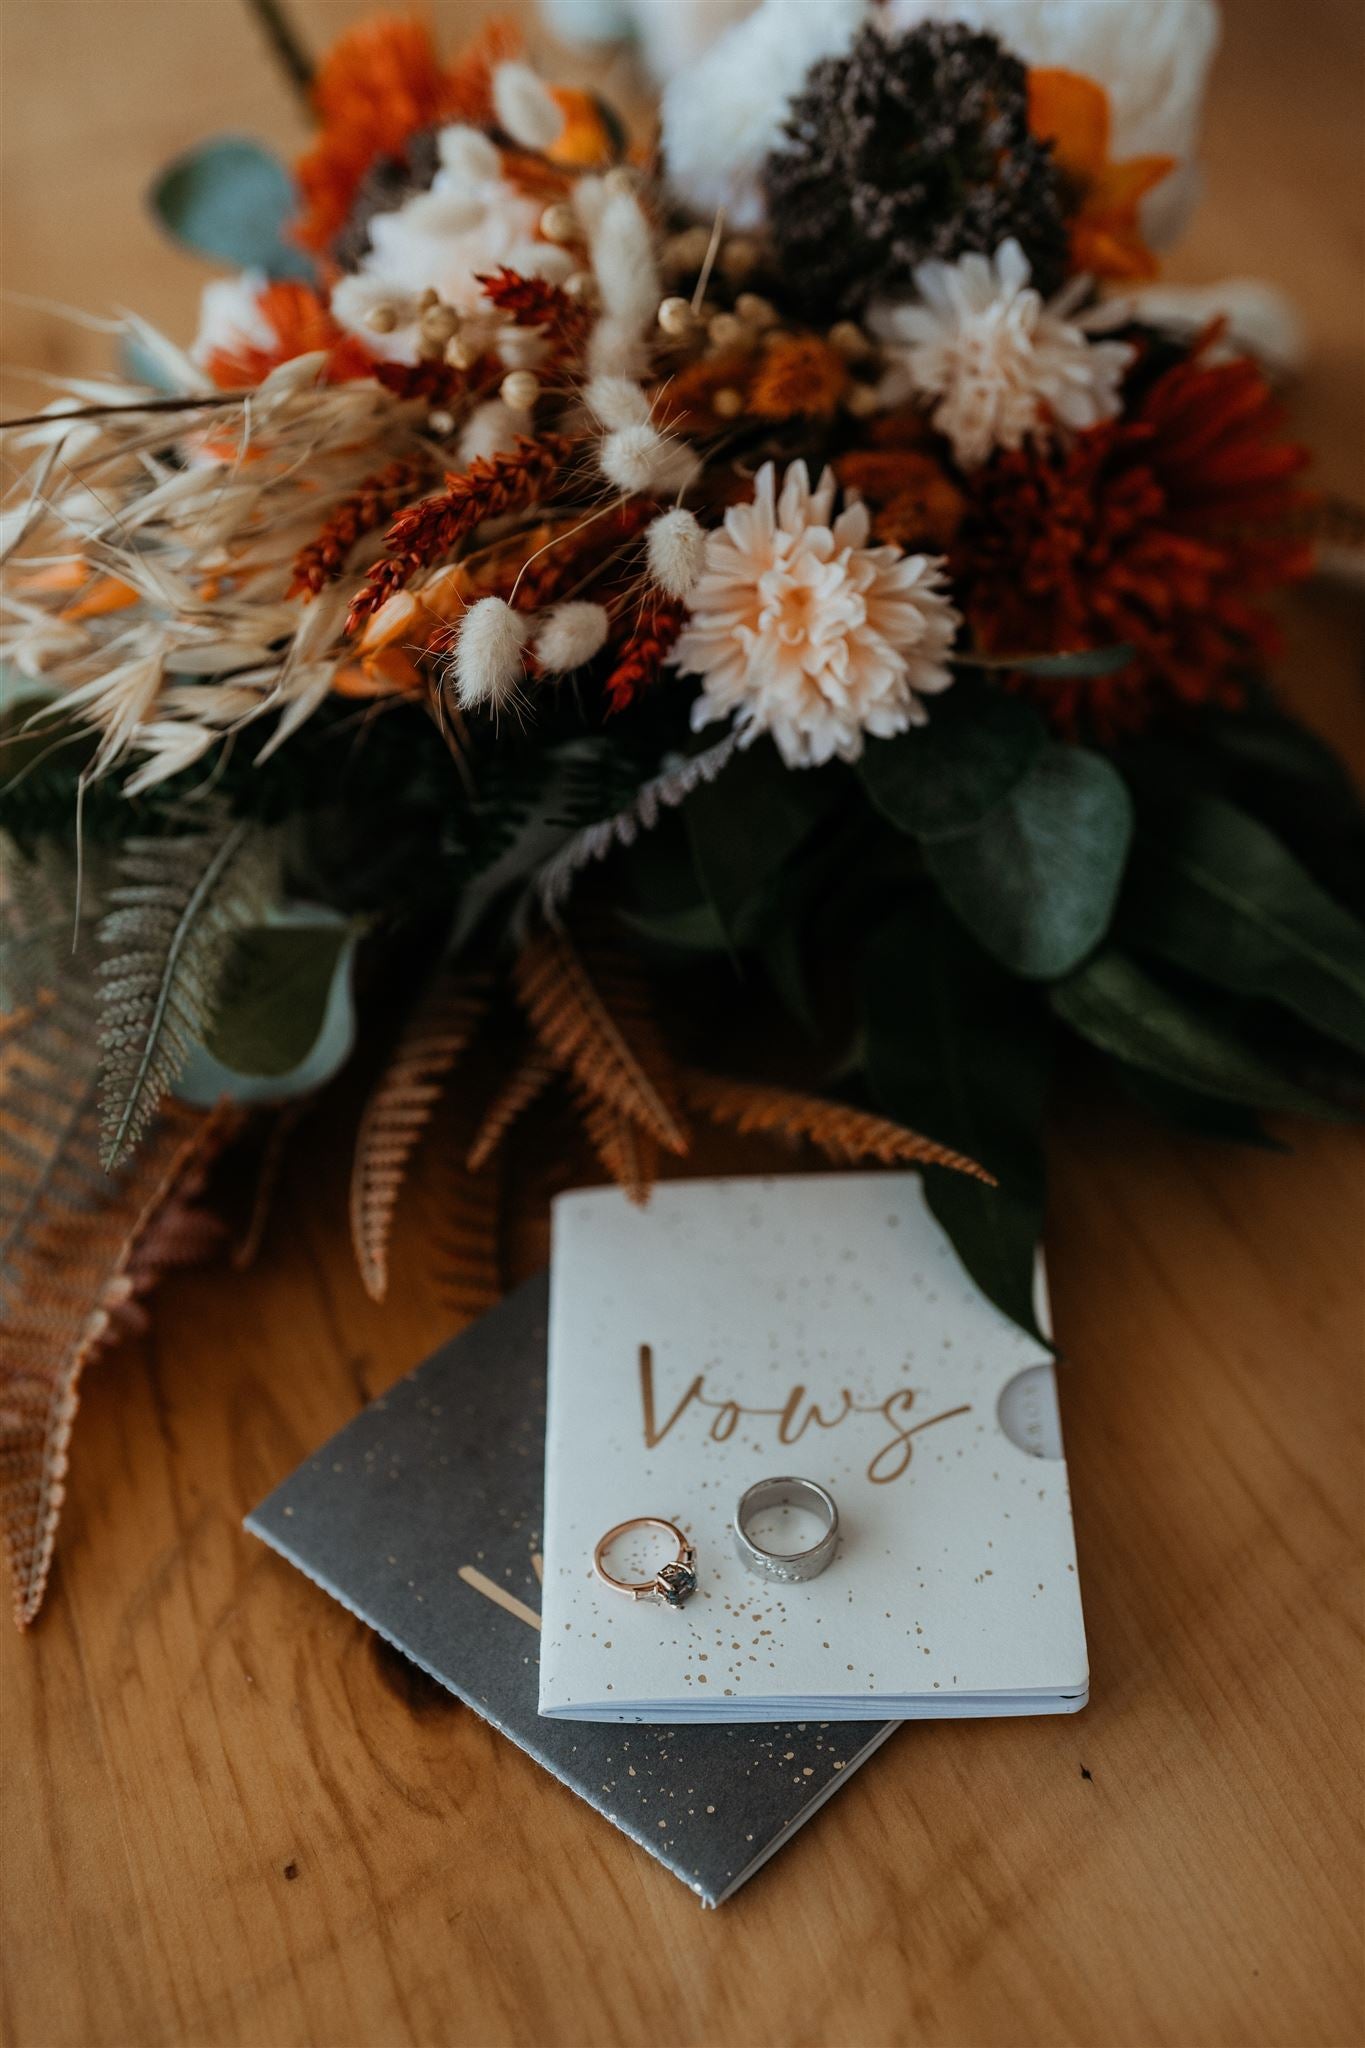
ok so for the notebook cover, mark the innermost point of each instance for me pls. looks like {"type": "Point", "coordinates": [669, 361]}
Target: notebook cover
{"type": "Point", "coordinates": [822, 1325]}
{"type": "Point", "coordinates": [423, 1518]}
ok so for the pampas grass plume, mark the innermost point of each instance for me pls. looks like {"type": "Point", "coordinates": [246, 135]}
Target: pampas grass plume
{"type": "Point", "coordinates": [640, 459]}
{"type": "Point", "coordinates": [570, 636]}
{"type": "Point", "coordinates": [617, 402]}
{"type": "Point", "coordinates": [675, 546]}
{"type": "Point", "coordinates": [488, 654]}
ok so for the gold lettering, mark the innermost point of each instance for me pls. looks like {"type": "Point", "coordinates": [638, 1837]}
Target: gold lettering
{"type": "Point", "coordinates": [795, 1416]}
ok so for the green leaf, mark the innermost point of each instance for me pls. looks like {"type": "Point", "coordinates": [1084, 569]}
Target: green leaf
{"type": "Point", "coordinates": [942, 778]}
{"type": "Point", "coordinates": [286, 1022]}
{"type": "Point", "coordinates": [744, 826]}
{"type": "Point", "coordinates": [1124, 1011]}
{"type": "Point", "coordinates": [1036, 882]}
{"type": "Point", "coordinates": [280, 977]}
{"type": "Point", "coordinates": [957, 1050]}
{"type": "Point", "coordinates": [1199, 1116]}
{"type": "Point", "coordinates": [230, 199]}
{"type": "Point", "coordinates": [1213, 891]}
{"type": "Point", "coordinates": [693, 928]}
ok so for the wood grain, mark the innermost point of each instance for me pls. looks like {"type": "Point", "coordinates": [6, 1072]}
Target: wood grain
{"type": "Point", "coordinates": [231, 1817]}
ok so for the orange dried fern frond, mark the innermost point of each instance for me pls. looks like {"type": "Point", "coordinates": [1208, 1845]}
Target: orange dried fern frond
{"type": "Point", "coordinates": [79, 1246]}
{"type": "Point", "coordinates": [590, 1009]}
{"type": "Point", "coordinates": [845, 1135]}
{"type": "Point", "coordinates": [467, 1244]}
{"type": "Point", "coordinates": [528, 1080]}
{"type": "Point", "coordinates": [630, 1154]}
{"type": "Point", "coordinates": [399, 1110]}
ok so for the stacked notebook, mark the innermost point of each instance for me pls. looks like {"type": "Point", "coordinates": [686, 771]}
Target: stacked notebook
{"type": "Point", "coordinates": [729, 1331]}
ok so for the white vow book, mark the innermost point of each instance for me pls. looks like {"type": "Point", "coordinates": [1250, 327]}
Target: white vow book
{"type": "Point", "coordinates": [817, 1326]}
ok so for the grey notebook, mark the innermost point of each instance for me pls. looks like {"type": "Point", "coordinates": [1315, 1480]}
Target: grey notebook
{"type": "Point", "coordinates": [423, 1517]}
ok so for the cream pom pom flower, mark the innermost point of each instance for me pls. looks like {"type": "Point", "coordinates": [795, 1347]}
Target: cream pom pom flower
{"type": "Point", "coordinates": [799, 629]}
{"type": "Point", "coordinates": [722, 114]}
{"type": "Point", "coordinates": [1002, 366]}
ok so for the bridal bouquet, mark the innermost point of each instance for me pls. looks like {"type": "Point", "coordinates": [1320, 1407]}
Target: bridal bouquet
{"type": "Point", "coordinates": [746, 614]}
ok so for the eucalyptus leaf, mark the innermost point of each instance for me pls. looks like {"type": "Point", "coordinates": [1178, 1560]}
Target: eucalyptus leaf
{"type": "Point", "coordinates": [286, 1021]}
{"type": "Point", "coordinates": [1215, 892]}
{"type": "Point", "coordinates": [746, 825]}
{"type": "Point", "coordinates": [1037, 881]}
{"type": "Point", "coordinates": [942, 778]}
{"type": "Point", "coordinates": [955, 1049]}
{"type": "Point", "coordinates": [1123, 1010]}
{"type": "Point", "coordinates": [232, 200]}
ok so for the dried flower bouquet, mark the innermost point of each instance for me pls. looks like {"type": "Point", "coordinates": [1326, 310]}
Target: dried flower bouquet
{"type": "Point", "coordinates": [589, 597]}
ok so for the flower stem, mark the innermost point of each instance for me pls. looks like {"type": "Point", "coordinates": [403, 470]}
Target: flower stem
{"type": "Point", "coordinates": [286, 45]}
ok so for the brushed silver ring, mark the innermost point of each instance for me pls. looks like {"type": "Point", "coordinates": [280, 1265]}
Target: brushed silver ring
{"type": "Point", "coordinates": [787, 1565]}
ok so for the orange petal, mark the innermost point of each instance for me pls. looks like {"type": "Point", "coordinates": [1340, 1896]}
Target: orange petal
{"type": "Point", "coordinates": [1072, 113]}
{"type": "Point", "coordinates": [1122, 185]}
{"type": "Point", "coordinates": [391, 673]}
{"type": "Point", "coordinates": [398, 618]}
{"type": "Point", "coordinates": [1109, 249]}
{"type": "Point", "coordinates": [57, 576]}
{"type": "Point", "coordinates": [589, 140]}
{"type": "Point", "coordinates": [106, 594]}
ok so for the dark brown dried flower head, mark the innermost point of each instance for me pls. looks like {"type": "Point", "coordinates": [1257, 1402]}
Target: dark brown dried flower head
{"type": "Point", "coordinates": [908, 149]}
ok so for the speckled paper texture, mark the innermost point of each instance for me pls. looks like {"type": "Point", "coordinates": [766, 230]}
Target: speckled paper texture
{"type": "Point", "coordinates": [819, 1325]}
{"type": "Point", "coordinates": [423, 1518]}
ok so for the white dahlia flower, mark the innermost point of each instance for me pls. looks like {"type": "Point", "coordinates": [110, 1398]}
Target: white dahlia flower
{"type": "Point", "coordinates": [469, 220]}
{"type": "Point", "coordinates": [999, 364]}
{"type": "Point", "coordinates": [798, 628]}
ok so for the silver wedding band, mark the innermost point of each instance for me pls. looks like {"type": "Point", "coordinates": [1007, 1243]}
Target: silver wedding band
{"type": "Point", "coordinates": [787, 1565]}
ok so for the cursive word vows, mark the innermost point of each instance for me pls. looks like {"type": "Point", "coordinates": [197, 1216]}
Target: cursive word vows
{"type": "Point", "coordinates": [797, 1414]}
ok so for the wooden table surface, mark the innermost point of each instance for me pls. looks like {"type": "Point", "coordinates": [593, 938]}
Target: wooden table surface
{"type": "Point", "coordinates": [231, 1817]}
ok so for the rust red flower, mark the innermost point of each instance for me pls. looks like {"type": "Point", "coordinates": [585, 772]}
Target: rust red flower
{"type": "Point", "coordinates": [1162, 531]}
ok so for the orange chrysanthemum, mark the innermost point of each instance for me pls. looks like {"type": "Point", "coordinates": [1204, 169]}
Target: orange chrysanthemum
{"type": "Point", "coordinates": [378, 85]}
{"type": "Point", "coordinates": [301, 323]}
{"type": "Point", "coordinates": [1159, 531]}
{"type": "Point", "coordinates": [800, 374]}
{"type": "Point", "coordinates": [1072, 113]}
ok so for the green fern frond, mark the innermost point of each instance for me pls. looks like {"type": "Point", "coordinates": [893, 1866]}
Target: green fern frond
{"type": "Point", "coordinates": [178, 904]}
{"type": "Point", "coordinates": [40, 919]}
